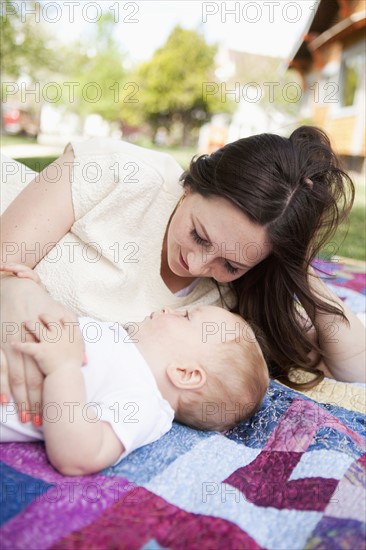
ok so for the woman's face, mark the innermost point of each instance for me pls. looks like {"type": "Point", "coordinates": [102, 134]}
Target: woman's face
{"type": "Point", "coordinates": [211, 237]}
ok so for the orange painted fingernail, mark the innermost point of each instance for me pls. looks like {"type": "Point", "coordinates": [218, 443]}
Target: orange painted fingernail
{"type": "Point", "coordinates": [3, 399]}
{"type": "Point", "coordinates": [85, 359]}
{"type": "Point", "coordinates": [25, 417]}
{"type": "Point", "coordinates": [37, 420]}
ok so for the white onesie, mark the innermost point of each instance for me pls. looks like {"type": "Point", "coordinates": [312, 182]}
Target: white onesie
{"type": "Point", "coordinates": [119, 386]}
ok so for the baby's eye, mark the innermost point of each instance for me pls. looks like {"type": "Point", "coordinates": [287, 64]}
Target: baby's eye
{"type": "Point", "coordinates": [196, 237]}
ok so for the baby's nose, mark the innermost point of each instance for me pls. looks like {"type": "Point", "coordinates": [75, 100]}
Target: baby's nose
{"type": "Point", "coordinates": [167, 310]}
{"type": "Point", "coordinates": [171, 311]}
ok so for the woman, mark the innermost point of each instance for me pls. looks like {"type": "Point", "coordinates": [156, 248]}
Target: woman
{"type": "Point", "coordinates": [251, 219]}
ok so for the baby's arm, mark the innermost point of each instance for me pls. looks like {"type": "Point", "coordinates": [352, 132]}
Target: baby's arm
{"type": "Point", "coordinates": [343, 345]}
{"type": "Point", "coordinates": [77, 442]}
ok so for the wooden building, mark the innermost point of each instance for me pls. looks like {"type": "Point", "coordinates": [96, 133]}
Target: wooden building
{"type": "Point", "coordinates": [331, 59]}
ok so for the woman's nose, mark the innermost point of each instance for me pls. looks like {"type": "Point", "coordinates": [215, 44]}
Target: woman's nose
{"type": "Point", "coordinates": [196, 264]}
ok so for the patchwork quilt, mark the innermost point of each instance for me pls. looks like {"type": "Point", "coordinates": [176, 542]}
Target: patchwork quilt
{"type": "Point", "coordinates": [292, 477]}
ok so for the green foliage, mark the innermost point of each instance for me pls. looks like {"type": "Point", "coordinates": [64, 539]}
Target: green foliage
{"type": "Point", "coordinates": [351, 82]}
{"type": "Point", "coordinates": [171, 84]}
{"type": "Point", "coordinates": [24, 44]}
{"type": "Point", "coordinates": [165, 91]}
{"type": "Point", "coordinates": [97, 72]}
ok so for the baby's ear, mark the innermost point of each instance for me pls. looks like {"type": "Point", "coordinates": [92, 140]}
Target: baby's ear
{"type": "Point", "coordinates": [187, 377]}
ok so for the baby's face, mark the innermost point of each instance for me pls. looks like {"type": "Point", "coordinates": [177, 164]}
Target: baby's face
{"type": "Point", "coordinates": [187, 334]}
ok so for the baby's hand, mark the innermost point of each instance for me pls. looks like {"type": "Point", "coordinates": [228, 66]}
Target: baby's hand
{"type": "Point", "coordinates": [22, 271]}
{"type": "Point", "coordinates": [59, 343]}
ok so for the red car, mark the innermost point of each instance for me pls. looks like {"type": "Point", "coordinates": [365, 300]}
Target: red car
{"type": "Point", "coordinates": [17, 120]}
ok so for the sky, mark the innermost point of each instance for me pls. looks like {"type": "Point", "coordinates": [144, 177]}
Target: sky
{"type": "Point", "coordinates": [268, 27]}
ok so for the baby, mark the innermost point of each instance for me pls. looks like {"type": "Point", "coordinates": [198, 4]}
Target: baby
{"type": "Point", "coordinates": [203, 368]}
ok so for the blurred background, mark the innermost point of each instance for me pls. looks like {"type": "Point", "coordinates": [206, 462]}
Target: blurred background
{"type": "Point", "coordinates": [186, 77]}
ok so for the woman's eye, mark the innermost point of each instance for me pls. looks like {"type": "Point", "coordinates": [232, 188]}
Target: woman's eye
{"type": "Point", "coordinates": [231, 269]}
{"type": "Point", "coordinates": [197, 238]}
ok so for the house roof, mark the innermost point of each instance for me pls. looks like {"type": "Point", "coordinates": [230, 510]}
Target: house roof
{"type": "Point", "coordinates": [324, 18]}
{"type": "Point", "coordinates": [342, 29]}
{"type": "Point", "coordinates": [334, 19]}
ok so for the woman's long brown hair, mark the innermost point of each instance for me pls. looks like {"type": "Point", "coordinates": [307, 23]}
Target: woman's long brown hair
{"type": "Point", "coordinates": [296, 189]}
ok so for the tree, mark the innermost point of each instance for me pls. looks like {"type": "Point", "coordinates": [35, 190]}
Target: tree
{"type": "Point", "coordinates": [23, 44]}
{"type": "Point", "coordinates": [25, 54]}
{"type": "Point", "coordinates": [171, 84]}
{"type": "Point", "coordinates": [97, 72]}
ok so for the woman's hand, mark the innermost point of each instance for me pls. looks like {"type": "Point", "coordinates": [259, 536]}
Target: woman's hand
{"type": "Point", "coordinates": [22, 271]}
{"type": "Point", "coordinates": [58, 344]}
{"type": "Point", "coordinates": [343, 343]}
{"type": "Point", "coordinates": [23, 300]}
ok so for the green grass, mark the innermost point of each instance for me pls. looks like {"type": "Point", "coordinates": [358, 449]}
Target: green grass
{"type": "Point", "coordinates": [37, 163]}
{"type": "Point", "coordinates": [350, 238]}
{"type": "Point", "coordinates": [182, 155]}
{"type": "Point", "coordinates": [16, 140]}
{"type": "Point", "coordinates": [349, 241]}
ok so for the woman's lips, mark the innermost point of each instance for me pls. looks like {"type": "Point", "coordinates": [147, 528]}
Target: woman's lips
{"type": "Point", "coordinates": [183, 262]}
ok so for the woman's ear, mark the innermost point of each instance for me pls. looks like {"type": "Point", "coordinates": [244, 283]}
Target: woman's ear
{"type": "Point", "coordinates": [187, 377]}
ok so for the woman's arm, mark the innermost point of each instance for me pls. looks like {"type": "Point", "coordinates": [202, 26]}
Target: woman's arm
{"type": "Point", "coordinates": [77, 442]}
{"type": "Point", "coordinates": [343, 344]}
{"type": "Point", "coordinates": [41, 214]}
